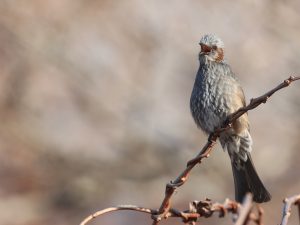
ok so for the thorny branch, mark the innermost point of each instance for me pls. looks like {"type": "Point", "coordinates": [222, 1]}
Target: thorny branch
{"type": "Point", "coordinates": [243, 212]}
{"type": "Point", "coordinates": [204, 153]}
{"type": "Point", "coordinates": [196, 210]}
{"type": "Point", "coordinates": [206, 208]}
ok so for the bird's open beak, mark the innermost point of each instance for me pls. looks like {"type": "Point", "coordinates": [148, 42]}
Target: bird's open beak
{"type": "Point", "coordinates": [204, 49]}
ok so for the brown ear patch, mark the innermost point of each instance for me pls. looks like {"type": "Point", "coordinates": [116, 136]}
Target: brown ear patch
{"type": "Point", "coordinates": [220, 55]}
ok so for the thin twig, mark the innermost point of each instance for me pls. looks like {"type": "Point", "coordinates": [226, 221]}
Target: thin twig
{"type": "Point", "coordinates": [204, 153]}
{"type": "Point", "coordinates": [288, 202]}
{"type": "Point", "coordinates": [117, 208]}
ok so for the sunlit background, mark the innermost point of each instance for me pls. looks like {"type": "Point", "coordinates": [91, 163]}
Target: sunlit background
{"type": "Point", "coordinates": [94, 104]}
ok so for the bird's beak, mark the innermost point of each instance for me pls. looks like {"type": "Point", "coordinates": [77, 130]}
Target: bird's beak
{"type": "Point", "coordinates": [204, 49]}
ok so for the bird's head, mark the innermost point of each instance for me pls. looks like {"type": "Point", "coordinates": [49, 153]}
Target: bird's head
{"type": "Point", "coordinates": [212, 48]}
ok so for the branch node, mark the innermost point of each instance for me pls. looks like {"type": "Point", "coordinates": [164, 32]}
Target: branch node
{"type": "Point", "coordinates": [222, 211]}
{"type": "Point", "coordinates": [156, 218]}
{"type": "Point", "coordinates": [174, 184]}
{"type": "Point", "coordinates": [288, 81]}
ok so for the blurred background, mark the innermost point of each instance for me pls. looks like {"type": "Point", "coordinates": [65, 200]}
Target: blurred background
{"type": "Point", "coordinates": [94, 104]}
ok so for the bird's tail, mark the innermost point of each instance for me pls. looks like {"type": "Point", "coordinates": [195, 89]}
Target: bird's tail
{"type": "Point", "coordinates": [245, 176]}
{"type": "Point", "coordinates": [247, 180]}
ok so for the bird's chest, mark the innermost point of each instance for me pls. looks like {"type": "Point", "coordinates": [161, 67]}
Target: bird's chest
{"type": "Point", "coordinates": [208, 103]}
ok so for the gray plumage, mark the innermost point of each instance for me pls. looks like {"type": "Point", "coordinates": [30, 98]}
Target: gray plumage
{"type": "Point", "coordinates": [217, 94]}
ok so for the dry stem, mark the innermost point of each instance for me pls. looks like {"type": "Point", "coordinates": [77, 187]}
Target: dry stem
{"type": "Point", "coordinates": [204, 153]}
{"type": "Point", "coordinates": [196, 210]}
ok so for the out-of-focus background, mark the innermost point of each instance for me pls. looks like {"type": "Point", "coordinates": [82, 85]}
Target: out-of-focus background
{"type": "Point", "coordinates": [94, 104]}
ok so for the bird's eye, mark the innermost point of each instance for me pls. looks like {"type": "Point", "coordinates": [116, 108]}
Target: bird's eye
{"type": "Point", "coordinates": [205, 48]}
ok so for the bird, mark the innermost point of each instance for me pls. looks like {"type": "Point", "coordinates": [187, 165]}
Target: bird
{"type": "Point", "coordinates": [216, 94]}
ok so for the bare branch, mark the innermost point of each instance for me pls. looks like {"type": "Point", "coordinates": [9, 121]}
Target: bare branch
{"type": "Point", "coordinates": [117, 208]}
{"type": "Point", "coordinates": [288, 202]}
{"type": "Point", "coordinates": [196, 210]}
{"type": "Point", "coordinates": [262, 99]}
{"type": "Point", "coordinates": [204, 153]}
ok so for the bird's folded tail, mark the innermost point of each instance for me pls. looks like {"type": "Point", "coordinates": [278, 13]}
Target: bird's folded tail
{"type": "Point", "coordinates": [247, 180]}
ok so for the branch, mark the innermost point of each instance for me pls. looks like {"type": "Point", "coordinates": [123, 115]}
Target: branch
{"type": "Point", "coordinates": [204, 153]}
{"type": "Point", "coordinates": [196, 210]}
{"type": "Point", "coordinates": [244, 213]}
{"type": "Point", "coordinates": [262, 99]}
{"type": "Point", "coordinates": [288, 202]}
{"type": "Point", "coordinates": [117, 208]}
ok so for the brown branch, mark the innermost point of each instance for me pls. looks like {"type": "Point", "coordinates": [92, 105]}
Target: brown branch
{"type": "Point", "coordinates": [206, 209]}
{"type": "Point", "coordinates": [196, 210]}
{"type": "Point", "coordinates": [117, 208]}
{"type": "Point", "coordinates": [204, 153]}
{"type": "Point", "coordinates": [288, 202]}
{"type": "Point", "coordinates": [262, 99]}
